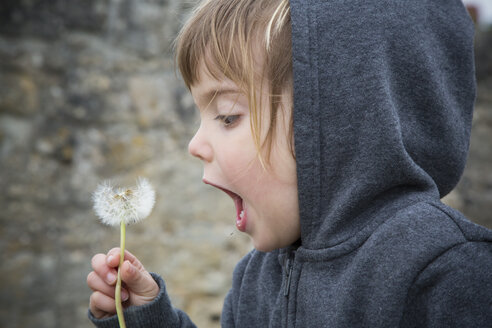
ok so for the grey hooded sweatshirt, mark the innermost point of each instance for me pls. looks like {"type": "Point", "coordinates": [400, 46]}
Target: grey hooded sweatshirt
{"type": "Point", "coordinates": [383, 99]}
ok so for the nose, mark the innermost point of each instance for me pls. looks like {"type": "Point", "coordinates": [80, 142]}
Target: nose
{"type": "Point", "coordinates": [200, 147]}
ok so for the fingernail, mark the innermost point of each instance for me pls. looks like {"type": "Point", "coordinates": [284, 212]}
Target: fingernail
{"type": "Point", "coordinates": [109, 258]}
{"type": "Point", "coordinates": [131, 269]}
{"type": "Point", "coordinates": [124, 295]}
{"type": "Point", "coordinates": [110, 277]}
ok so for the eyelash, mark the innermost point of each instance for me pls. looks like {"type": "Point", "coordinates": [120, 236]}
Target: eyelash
{"type": "Point", "coordinates": [227, 120]}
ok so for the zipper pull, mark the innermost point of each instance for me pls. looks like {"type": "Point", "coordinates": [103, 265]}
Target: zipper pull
{"type": "Point", "coordinates": [288, 275]}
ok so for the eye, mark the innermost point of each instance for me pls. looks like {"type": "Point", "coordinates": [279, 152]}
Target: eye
{"type": "Point", "coordinates": [227, 120]}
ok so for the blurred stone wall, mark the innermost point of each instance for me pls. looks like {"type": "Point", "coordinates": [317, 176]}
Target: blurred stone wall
{"type": "Point", "coordinates": [88, 92]}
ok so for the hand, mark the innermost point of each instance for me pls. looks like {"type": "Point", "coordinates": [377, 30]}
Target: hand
{"type": "Point", "coordinates": [138, 285]}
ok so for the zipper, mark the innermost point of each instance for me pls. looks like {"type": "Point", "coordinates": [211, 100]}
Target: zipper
{"type": "Point", "coordinates": [288, 274]}
{"type": "Point", "coordinates": [288, 268]}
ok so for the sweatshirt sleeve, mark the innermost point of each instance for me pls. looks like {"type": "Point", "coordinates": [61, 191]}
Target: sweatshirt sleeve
{"type": "Point", "coordinates": [157, 314]}
{"type": "Point", "coordinates": [454, 290]}
{"type": "Point", "coordinates": [231, 301]}
{"type": "Point", "coordinates": [227, 319]}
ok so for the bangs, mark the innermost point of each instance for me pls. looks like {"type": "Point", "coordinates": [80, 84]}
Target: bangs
{"type": "Point", "coordinates": [231, 38]}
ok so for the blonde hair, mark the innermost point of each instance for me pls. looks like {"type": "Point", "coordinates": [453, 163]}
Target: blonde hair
{"type": "Point", "coordinates": [227, 36]}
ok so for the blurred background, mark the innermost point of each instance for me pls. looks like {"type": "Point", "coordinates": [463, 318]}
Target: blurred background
{"type": "Point", "coordinates": [87, 93]}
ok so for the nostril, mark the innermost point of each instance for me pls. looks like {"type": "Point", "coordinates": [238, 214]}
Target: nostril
{"type": "Point", "coordinates": [192, 149]}
{"type": "Point", "coordinates": [199, 148]}
{"type": "Point", "coordinates": [194, 153]}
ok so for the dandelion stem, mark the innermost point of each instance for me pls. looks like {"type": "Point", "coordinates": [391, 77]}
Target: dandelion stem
{"type": "Point", "coordinates": [119, 308]}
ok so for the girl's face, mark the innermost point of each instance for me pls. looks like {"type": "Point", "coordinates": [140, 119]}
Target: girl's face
{"type": "Point", "coordinates": [265, 199]}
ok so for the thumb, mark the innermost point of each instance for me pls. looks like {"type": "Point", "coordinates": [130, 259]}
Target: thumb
{"type": "Point", "coordinates": [140, 284]}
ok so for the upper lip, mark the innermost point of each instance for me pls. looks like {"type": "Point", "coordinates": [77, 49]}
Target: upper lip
{"type": "Point", "coordinates": [230, 193]}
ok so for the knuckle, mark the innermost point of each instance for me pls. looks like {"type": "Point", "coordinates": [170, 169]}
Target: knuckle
{"type": "Point", "coordinates": [130, 272]}
{"type": "Point", "coordinates": [97, 299]}
{"type": "Point", "coordinates": [90, 278]}
{"type": "Point", "coordinates": [93, 300]}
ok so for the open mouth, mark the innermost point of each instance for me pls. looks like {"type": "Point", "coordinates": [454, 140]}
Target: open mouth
{"type": "Point", "coordinates": [238, 203]}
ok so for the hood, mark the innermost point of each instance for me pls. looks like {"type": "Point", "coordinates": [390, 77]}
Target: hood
{"type": "Point", "coordinates": [383, 99]}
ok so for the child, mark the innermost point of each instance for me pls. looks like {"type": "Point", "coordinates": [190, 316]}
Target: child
{"type": "Point", "coordinates": [336, 127]}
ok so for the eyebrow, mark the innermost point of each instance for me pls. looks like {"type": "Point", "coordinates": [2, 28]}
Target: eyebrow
{"type": "Point", "coordinates": [210, 95]}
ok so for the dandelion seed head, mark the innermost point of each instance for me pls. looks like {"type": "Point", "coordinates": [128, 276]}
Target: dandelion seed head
{"type": "Point", "coordinates": [129, 205]}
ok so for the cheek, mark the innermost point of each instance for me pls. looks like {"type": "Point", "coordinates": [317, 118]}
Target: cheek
{"type": "Point", "coordinates": [237, 158]}
{"type": "Point", "coordinates": [241, 167]}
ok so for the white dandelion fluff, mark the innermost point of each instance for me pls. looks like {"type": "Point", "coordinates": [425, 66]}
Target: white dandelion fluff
{"type": "Point", "coordinates": [128, 205]}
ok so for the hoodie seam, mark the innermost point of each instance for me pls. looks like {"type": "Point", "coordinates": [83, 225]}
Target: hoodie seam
{"type": "Point", "coordinates": [313, 43]}
{"type": "Point", "coordinates": [438, 256]}
{"type": "Point", "coordinates": [433, 260]}
{"type": "Point", "coordinates": [316, 102]}
{"type": "Point", "coordinates": [451, 218]}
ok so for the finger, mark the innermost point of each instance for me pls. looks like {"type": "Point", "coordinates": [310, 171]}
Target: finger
{"type": "Point", "coordinates": [101, 305]}
{"type": "Point", "coordinates": [140, 282]}
{"type": "Point", "coordinates": [98, 285]}
{"type": "Point", "coordinates": [101, 268]}
{"type": "Point", "coordinates": [113, 258]}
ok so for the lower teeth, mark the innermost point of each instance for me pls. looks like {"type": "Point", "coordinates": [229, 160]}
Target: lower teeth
{"type": "Point", "coordinates": [241, 215]}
